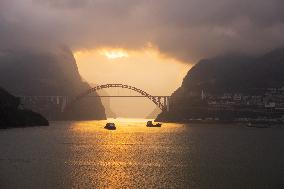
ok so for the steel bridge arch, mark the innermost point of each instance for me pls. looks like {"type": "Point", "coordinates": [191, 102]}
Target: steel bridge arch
{"type": "Point", "coordinates": [155, 99]}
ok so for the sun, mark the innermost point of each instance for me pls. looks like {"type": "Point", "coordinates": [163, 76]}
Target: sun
{"type": "Point", "coordinates": [114, 53]}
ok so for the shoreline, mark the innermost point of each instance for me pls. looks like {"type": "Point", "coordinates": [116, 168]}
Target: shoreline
{"type": "Point", "coordinates": [271, 123]}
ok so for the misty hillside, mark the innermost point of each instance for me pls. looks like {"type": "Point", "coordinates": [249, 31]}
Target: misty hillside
{"type": "Point", "coordinates": [236, 73]}
{"type": "Point", "coordinates": [47, 74]}
{"type": "Point", "coordinates": [11, 115]}
{"type": "Point", "coordinates": [32, 73]}
{"type": "Point", "coordinates": [226, 74]}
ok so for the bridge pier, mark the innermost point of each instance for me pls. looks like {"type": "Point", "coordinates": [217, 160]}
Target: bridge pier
{"type": "Point", "coordinates": [166, 103]}
{"type": "Point", "coordinates": [64, 103]}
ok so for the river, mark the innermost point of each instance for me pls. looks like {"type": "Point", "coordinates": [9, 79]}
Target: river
{"type": "Point", "coordinates": [85, 155]}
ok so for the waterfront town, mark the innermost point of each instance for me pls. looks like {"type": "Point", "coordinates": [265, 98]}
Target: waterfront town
{"type": "Point", "coordinates": [262, 105]}
{"type": "Point", "coordinates": [271, 98]}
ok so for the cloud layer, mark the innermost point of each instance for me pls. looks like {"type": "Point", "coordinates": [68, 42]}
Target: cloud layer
{"type": "Point", "coordinates": [185, 29]}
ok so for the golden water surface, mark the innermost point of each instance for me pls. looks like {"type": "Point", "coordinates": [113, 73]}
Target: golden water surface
{"type": "Point", "coordinates": [85, 155]}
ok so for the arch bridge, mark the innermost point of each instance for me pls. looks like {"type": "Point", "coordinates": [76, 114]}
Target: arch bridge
{"type": "Point", "coordinates": [161, 101]}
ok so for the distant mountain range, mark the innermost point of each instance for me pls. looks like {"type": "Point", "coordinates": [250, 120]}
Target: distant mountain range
{"type": "Point", "coordinates": [227, 74]}
{"type": "Point", "coordinates": [28, 73]}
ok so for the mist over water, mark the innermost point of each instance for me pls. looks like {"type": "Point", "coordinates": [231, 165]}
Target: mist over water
{"type": "Point", "coordinates": [84, 155]}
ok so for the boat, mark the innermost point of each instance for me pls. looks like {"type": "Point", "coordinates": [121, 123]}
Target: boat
{"type": "Point", "coordinates": [110, 126]}
{"type": "Point", "coordinates": [258, 124]}
{"type": "Point", "coordinates": [150, 124]}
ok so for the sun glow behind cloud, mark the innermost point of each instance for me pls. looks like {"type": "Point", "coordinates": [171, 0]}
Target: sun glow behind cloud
{"type": "Point", "coordinates": [114, 53]}
{"type": "Point", "coordinates": [145, 68]}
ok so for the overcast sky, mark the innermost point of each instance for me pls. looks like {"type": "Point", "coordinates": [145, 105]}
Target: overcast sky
{"type": "Point", "coordinates": [184, 29]}
{"type": "Point", "coordinates": [158, 40]}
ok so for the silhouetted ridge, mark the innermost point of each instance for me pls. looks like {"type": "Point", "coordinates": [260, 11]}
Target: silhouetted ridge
{"type": "Point", "coordinates": [226, 74]}
{"type": "Point", "coordinates": [236, 73]}
{"type": "Point", "coordinates": [54, 73]}
{"type": "Point", "coordinates": [12, 116]}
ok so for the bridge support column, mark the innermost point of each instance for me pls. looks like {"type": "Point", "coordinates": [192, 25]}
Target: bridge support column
{"type": "Point", "coordinates": [167, 103]}
{"type": "Point", "coordinates": [168, 106]}
{"type": "Point", "coordinates": [64, 103]}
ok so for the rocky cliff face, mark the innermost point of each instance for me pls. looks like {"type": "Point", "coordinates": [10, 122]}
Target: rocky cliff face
{"type": "Point", "coordinates": [48, 74]}
{"type": "Point", "coordinates": [12, 116]}
{"type": "Point", "coordinates": [225, 74]}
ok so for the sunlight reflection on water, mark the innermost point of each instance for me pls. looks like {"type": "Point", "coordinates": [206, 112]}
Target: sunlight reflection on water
{"type": "Point", "coordinates": [129, 156]}
{"type": "Point", "coordinates": [85, 155]}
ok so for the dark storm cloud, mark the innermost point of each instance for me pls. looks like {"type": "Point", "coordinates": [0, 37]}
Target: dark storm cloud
{"type": "Point", "coordinates": [185, 29]}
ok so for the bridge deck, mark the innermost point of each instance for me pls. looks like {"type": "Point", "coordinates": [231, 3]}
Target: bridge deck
{"type": "Point", "coordinates": [124, 96]}
{"type": "Point", "coordinates": [86, 96]}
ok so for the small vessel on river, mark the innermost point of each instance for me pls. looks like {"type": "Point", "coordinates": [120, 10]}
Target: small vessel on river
{"type": "Point", "coordinates": [258, 124]}
{"type": "Point", "coordinates": [150, 124]}
{"type": "Point", "coordinates": [110, 126]}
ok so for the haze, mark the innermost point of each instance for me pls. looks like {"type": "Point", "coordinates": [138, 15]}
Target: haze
{"type": "Point", "coordinates": [111, 39]}
{"type": "Point", "coordinates": [146, 69]}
